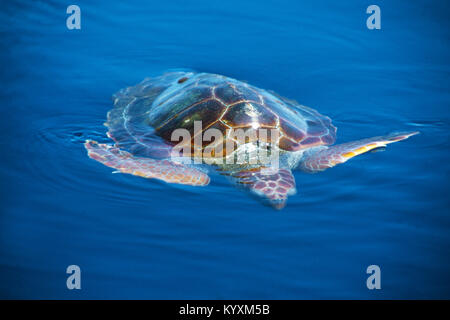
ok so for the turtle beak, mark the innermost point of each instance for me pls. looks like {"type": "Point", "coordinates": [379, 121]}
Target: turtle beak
{"type": "Point", "coordinates": [278, 204]}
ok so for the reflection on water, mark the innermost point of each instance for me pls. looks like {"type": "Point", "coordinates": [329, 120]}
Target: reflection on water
{"type": "Point", "coordinates": [138, 238]}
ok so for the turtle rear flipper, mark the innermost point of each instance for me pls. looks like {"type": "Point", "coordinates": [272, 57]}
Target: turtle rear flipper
{"type": "Point", "coordinates": [328, 157]}
{"type": "Point", "coordinates": [164, 170]}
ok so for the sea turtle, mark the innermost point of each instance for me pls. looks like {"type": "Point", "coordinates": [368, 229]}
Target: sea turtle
{"type": "Point", "coordinates": [144, 118]}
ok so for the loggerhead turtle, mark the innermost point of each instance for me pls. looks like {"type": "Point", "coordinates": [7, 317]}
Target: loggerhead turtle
{"type": "Point", "coordinates": [144, 118]}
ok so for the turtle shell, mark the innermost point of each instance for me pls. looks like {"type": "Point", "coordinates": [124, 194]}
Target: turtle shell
{"type": "Point", "coordinates": [156, 107]}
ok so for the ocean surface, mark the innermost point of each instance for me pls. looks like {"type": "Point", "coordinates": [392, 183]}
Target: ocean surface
{"type": "Point", "coordinates": [135, 238]}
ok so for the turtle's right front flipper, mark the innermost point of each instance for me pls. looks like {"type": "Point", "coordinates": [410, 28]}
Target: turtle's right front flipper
{"type": "Point", "coordinates": [328, 157]}
{"type": "Point", "coordinates": [164, 170]}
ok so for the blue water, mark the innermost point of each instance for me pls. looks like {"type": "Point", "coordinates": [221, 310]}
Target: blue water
{"type": "Point", "coordinates": [138, 238]}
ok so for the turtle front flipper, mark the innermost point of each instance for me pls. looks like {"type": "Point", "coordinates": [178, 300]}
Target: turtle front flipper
{"type": "Point", "coordinates": [273, 186]}
{"type": "Point", "coordinates": [164, 170]}
{"type": "Point", "coordinates": [327, 157]}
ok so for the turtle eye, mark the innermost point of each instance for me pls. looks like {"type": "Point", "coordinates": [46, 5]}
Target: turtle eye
{"type": "Point", "coordinates": [181, 80]}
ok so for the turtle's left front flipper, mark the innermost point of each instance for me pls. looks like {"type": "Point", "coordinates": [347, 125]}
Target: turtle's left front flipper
{"type": "Point", "coordinates": [328, 157]}
{"type": "Point", "coordinates": [164, 170]}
